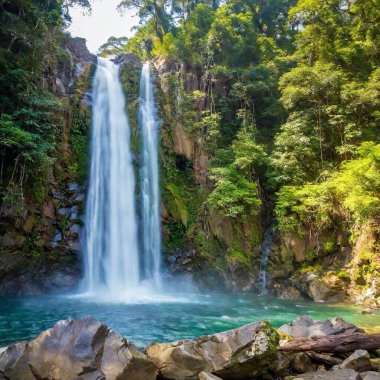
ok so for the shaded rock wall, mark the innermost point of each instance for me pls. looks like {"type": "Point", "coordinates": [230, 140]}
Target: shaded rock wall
{"type": "Point", "coordinates": [40, 239]}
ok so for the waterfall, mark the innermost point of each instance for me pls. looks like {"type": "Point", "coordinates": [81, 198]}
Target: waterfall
{"type": "Point", "coordinates": [149, 176]}
{"type": "Point", "coordinates": [111, 244]}
{"type": "Point", "coordinates": [266, 247]}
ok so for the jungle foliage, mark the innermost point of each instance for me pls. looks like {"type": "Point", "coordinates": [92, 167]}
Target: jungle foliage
{"type": "Point", "coordinates": [291, 95]}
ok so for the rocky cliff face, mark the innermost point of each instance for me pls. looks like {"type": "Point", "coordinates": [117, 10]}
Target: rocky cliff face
{"type": "Point", "coordinates": [40, 242]}
{"type": "Point", "coordinates": [40, 239]}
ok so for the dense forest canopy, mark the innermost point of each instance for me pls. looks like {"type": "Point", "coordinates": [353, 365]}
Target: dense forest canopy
{"type": "Point", "coordinates": [300, 122]}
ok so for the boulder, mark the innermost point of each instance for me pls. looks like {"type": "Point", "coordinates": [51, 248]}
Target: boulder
{"type": "Point", "coordinates": [326, 289]}
{"type": "Point", "coordinates": [80, 349]}
{"type": "Point", "coordinates": [370, 375]}
{"type": "Point", "coordinates": [306, 327]}
{"type": "Point", "coordinates": [246, 352]}
{"type": "Point", "coordinates": [358, 361]}
{"type": "Point", "coordinates": [343, 374]}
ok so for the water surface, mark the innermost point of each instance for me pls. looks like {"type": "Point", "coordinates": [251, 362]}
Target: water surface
{"type": "Point", "coordinates": [168, 319]}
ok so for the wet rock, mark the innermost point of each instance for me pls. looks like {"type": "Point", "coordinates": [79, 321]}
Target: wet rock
{"type": "Point", "coordinates": [370, 375]}
{"type": "Point", "coordinates": [358, 361]}
{"type": "Point", "coordinates": [248, 351]}
{"type": "Point", "coordinates": [74, 212]}
{"type": "Point", "coordinates": [74, 230]}
{"type": "Point", "coordinates": [74, 246]}
{"type": "Point", "coordinates": [79, 198]}
{"type": "Point", "coordinates": [76, 349]}
{"type": "Point", "coordinates": [63, 211]}
{"type": "Point", "coordinates": [73, 188]}
{"type": "Point", "coordinates": [306, 327]}
{"type": "Point", "coordinates": [56, 239]}
{"type": "Point", "coordinates": [343, 374]}
{"type": "Point", "coordinates": [367, 311]}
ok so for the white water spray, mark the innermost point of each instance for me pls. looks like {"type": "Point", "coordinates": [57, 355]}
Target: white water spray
{"type": "Point", "coordinates": [111, 244]}
{"type": "Point", "coordinates": [149, 177]}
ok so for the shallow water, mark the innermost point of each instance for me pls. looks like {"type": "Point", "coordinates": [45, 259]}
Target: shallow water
{"type": "Point", "coordinates": [168, 318]}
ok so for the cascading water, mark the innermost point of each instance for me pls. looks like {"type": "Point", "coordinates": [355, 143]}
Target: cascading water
{"type": "Point", "coordinates": [111, 244]}
{"type": "Point", "coordinates": [149, 177]}
{"type": "Point", "coordinates": [265, 252]}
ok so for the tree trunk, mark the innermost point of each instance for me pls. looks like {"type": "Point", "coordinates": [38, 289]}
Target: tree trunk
{"type": "Point", "coordinates": [341, 343]}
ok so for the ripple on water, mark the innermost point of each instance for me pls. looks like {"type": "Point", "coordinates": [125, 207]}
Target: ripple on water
{"type": "Point", "coordinates": [160, 318]}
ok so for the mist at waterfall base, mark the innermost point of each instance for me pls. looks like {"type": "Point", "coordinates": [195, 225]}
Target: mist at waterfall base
{"type": "Point", "coordinates": [119, 265]}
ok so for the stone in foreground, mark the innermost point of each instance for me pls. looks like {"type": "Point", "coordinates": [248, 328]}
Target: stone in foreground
{"type": "Point", "coordinates": [80, 349]}
{"type": "Point", "coordinates": [246, 352]}
{"type": "Point", "coordinates": [342, 374]}
{"type": "Point", "coordinates": [306, 327]}
{"type": "Point", "coordinates": [358, 361]}
{"type": "Point", "coordinates": [370, 375]}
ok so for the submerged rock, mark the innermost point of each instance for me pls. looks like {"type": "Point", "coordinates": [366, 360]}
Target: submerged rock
{"type": "Point", "coordinates": [76, 349]}
{"type": "Point", "coordinates": [246, 352]}
{"type": "Point", "coordinates": [306, 327]}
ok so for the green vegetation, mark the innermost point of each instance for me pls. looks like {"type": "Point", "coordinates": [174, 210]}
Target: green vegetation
{"type": "Point", "coordinates": [278, 103]}
{"type": "Point", "coordinates": [31, 50]}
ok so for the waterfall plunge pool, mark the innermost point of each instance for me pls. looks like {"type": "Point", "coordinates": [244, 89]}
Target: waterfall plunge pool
{"type": "Point", "coordinates": [167, 318]}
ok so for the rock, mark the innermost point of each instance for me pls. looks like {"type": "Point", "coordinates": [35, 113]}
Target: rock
{"type": "Point", "coordinates": [321, 290]}
{"type": "Point", "coordinates": [132, 60]}
{"type": "Point", "coordinates": [301, 363]}
{"type": "Point", "coordinates": [325, 359]}
{"type": "Point", "coordinates": [76, 349]}
{"type": "Point", "coordinates": [74, 213]}
{"type": "Point", "coordinates": [289, 293]}
{"type": "Point", "coordinates": [249, 351]}
{"type": "Point", "coordinates": [306, 327]}
{"type": "Point", "coordinates": [64, 212]}
{"type": "Point", "coordinates": [48, 210]}
{"type": "Point", "coordinates": [29, 223]}
{"type": "Point", "coordinates": [208, 376]}
{"type": "Point", "coordinates": [12, 240]}
{"type": "Point", "coordinates": [343, 374]}
{"type": "Point", "coordinates": [358, 361]}
{"type": "Point", "coordinates": [367, 311]}
{"type": "Point", "coordinates": [370, 375]}
{"type": "Point", "coordinates": [79, 198]}
{"type": "Point", "coordinates": [75, 230]}
{"type": "Point", "coordinates": [375, 363]}
{"type": "Point", "coordinates": [73, 188]}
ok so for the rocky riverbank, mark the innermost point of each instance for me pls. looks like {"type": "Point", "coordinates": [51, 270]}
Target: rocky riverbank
{"type": "Point", "coordinates": [86, 349]}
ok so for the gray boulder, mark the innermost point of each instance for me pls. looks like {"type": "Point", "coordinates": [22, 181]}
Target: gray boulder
{"type": "Point", "coordinates": [343, 374]}
{"type": "Point", "coordinates": [306, 327]}
{"type": "Point", "coordinates": [246, 352]}
{"type": "Point", "coordinates": [358, 361]}
{"type": "Point", "coordinates": [370, 375]}
{"type": "Point", "coordinates": [82, 349]}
